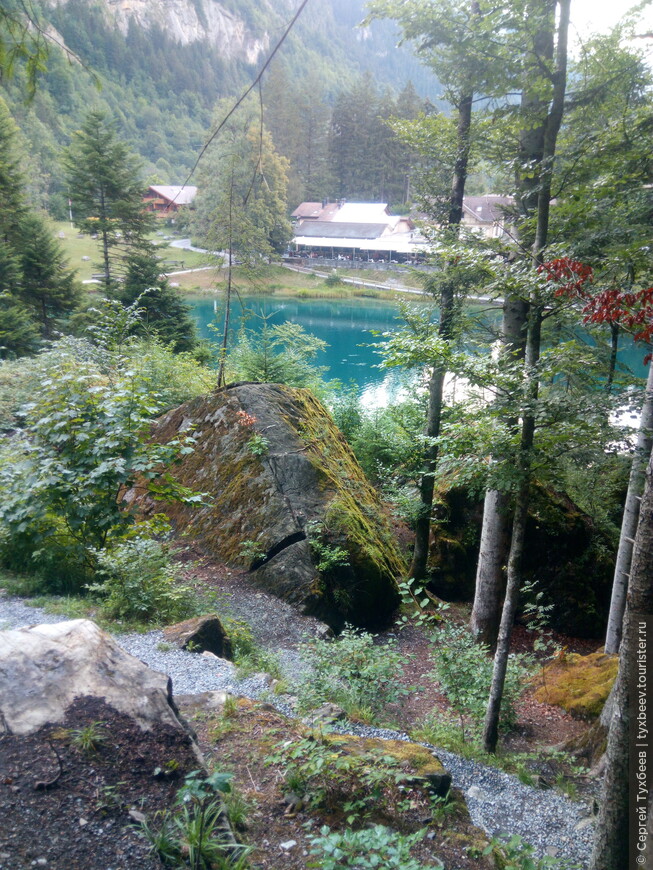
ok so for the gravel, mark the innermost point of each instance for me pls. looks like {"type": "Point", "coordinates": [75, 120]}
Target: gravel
{"type": "Point", "coordinates": [498, 802]}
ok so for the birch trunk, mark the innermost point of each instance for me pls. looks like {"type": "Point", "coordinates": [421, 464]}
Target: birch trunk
{"type": "Point", "coordinates": [418, 567]}
{"type": "Point", "coordinates": [630, 518]}
{"type": "Point", "coordinates": [611, 843]}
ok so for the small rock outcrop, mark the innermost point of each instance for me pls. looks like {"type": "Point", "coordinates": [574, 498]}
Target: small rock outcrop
{"type": "Point", "coordinates": [45, 668]}
{"type": "Point", "coordinates": [201, 634]}
{"type": "Point", "coordinates": [286, 499]}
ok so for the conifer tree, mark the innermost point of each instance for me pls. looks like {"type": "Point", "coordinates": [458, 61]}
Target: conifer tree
{"type": "Point", "coordinates": [164, 313]}
{"type": "Point", "coordinates": [47, 285]}
{"type": "Point", "coordinates": [107, 193]}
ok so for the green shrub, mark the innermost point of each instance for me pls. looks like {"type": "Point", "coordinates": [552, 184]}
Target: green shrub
{"type": "Point", "coordinates": [85, 441]}
{"type": "Point", "coordinates": [352, 671]}
{"type": "Point", "coordinates": [356, 784]}
{"type": "Point", "coordinates": [172, 377]}
{"type": "Point", "coordinates": [463, 669]}
{"type": "Point", "coordinates": [282, 354]}
{"type": "Point", "coordinates": [368, 849]}
{"type": "Point", "coordinates": [514, 854]}
{"type": "Point", "coordinates": [249, 656]}
{"type": "Point", "coordinates": [191, 834]}
{"type": "Point", "coordinates": [137, 581]}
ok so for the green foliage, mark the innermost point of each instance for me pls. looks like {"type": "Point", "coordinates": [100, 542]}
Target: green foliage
{"type": "Point", "coordinates": [386, 441]}
{"type": "Point", "coordinates": [163, 313]}
{"type": "Point", "coordinates": [249, 656]}
{"type": "Point", "coordinates": [84, 445]}
{"type": "Point", "coordinates": [251, 552]}
{"type": "Point", "coordinates": [463, 669]}
{"type": "Point", "coordinates": [190, 834]}
{"type": "Point", "coordinates": [419, 608]}
{"type": "Point", "coordinates": [281, 354]}
{"type": "Point", "coordinates": [327, 557]}
{"type": "Point", "coordinates": [172, 377]}
{"type": "Point", "coordinates": [136, 580]}
{"type": "Point", "coordinates": [106, 194]}
{"type": "Point", "coordinates": [46, 287]}
{"type": "Point", "coordinates": [367, 849]}
{"type": "Point", "coordinates": [357, 784]}
{"type": "Point", "coordinates": [258, 445]}
{"type": "Point", "coordinates": [90, 738]}
{"type": "Point", "coordinates": [514, 854]}
{"type": "Point", "coordinates": [242, 187]}
{"type": "Point", "coordinates": [352, 671]}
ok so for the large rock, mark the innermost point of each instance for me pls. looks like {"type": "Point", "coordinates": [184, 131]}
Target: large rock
{"type": "Point", "coordinates": [201, 633]}
{"type": "Point", "coordinates": [44, 668]}
{"type": "Point", "coordinates": [286, 499]}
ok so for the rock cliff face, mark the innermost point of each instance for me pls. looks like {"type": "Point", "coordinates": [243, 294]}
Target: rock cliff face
{"type": "Point", "coordinates": [188, 21]}
{"type": "Point", "coordinates": [287, 500]}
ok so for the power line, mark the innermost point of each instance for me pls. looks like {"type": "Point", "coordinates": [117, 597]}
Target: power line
{"type": "Point", "coordinates": [243, 97]}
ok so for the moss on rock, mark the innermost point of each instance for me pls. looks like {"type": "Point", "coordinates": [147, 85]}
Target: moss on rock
{"type": "Point", "coordinates": [578, 684]}
{"type": "Point", "coordinates": [428, 770]}
{"type": "Point", "coordinates": [284, 493]}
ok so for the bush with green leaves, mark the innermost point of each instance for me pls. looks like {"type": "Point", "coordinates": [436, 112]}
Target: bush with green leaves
{"type": "Point", "coordinates": [136, 580]}
{"type": "Point", "coordinates": [515, 854]}
{"type": "Point", "coordinates": [281, 354]}
{"type": "Point", "coordinates": [249, 656]}
{"type": "Point", "coordinates": [463, 669]}
{"type": "Point", "coordinates": [352, 671]}
{"type": "Point", "coordinates": [368, 849]}
{"type": "Point", "coordinates": [172, 377]}
{"type": "Point", "coordinates": [64, 476]}
{"type": "Point", "coordinates": [192, 834]}
{"type": "Point", "coordinates": [358, 785]}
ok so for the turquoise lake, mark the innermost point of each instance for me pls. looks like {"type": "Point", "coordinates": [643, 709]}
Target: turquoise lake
{"type": "Point", "coordinates": [348, 327]}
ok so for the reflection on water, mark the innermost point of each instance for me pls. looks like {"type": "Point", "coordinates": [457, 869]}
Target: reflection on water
{"type": "Point", "coordinates": [350, 327]}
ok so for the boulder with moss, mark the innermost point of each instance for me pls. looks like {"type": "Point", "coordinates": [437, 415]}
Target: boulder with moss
{"type": "Point", "coordinates": [578, 684]}
{"type": "Point", "coordinates": [286, 499]}
{"type": "Point", "coordinates": [424, 767]}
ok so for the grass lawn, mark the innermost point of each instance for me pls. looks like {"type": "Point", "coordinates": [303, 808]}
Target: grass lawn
{"type": "Point", "coordinates": [77, 247]}
{"type": "Point", "coordinates": [83, 254]}
{"type": "Point", "coordinates": [274, 280]}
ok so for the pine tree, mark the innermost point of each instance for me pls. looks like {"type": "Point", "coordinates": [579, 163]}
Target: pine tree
{"type": "Point", "coordinates": [47, 285]}
{"type": "Point", "coordinates": [164, 313]}
{"type": "Point", "coordinates": [106, 193]}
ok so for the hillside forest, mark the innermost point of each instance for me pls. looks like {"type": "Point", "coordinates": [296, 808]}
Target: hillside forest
{"type": "Point", "coordinates": [508, 519]}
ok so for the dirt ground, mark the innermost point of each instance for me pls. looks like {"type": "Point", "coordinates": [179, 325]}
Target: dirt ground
{"type": "Point", "coordinates": [65, 807]}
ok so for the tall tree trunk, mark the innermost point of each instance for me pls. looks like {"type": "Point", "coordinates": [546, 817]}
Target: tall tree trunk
{"type": "Point", "coordinates": [551, 129]}
{"type": "Point", "coordinates": [611, 843]}
{"type": "Point", "coordinates": [489, 571]}
{"type": "Point", "coordinates": [227, 312]}
{"type": "Point", "coordinates": [520, 517]}
{"type": "Point", "coordinates": [630, 518]}
{"type": "Point", "coordinates": [486, 610]}
{"type": "Point", "coordinates": [436, 382]}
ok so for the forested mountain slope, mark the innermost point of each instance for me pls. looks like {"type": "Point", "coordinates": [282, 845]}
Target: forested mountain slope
{"type": "Point", "coordinates": [163, 65]}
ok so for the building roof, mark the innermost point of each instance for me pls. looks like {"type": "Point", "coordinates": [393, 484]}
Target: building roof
{"type": "Point", "coordinates": [308, 210]}
{"type": "Point", "coordinates": [404, 243]}
{"type": "Point", "coordinates": [364, 213]}
{"type": "Point", "coordinates": [345, 212]}
{"type": "Point", "coordinates": [180, 195]}
{"type": "Point", "coordinates": [341, 229]}
{"type": "Point", "coordinates": [488, 209]}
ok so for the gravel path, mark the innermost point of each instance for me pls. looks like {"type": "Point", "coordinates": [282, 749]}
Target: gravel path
{"type": "Point", "coordinates": [497, 801]}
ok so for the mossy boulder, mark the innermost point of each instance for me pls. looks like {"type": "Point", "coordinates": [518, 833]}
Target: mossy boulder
{"type": "Point", "coordinates": [285, 499]}
{"type": "Point", "coordinates": [565, 553]}
{"type": "Point", "coordinates": [424, 767]}
{"type": "Point", "coordinates": [578, 684]}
